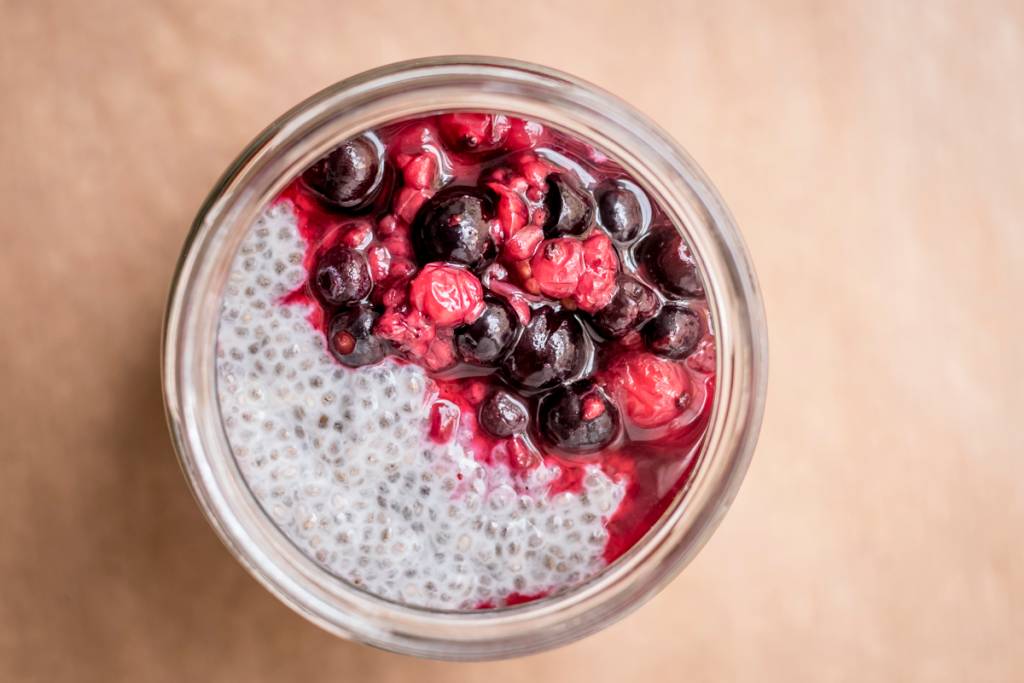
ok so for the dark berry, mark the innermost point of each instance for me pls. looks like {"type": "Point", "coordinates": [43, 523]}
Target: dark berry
{"type": "Point", "coordinates": [341, 276]}
{"type": "Point", "coordinates": [452, 226]}
{"type": "Point", "coordinates": [633, 304]}
{"type": "Point", "coordinates": [569, 207]}
{"type": "Point", "coordinates": [578, 418]}
{"type": "Point", "coordinates": [673, 333]}
{"type": "Point", "coordinates": [551, 350]}
{"type": "Point", "coordinates": [667, 261]}
{"type": "Point", "coordinates": [350, 337]}
{"type": "Point", "coordinates": [486, 340]}
{"type": "Point", "coordinates": [350, 176]}
{"type": "Point", "coordinates": [620, 212]}
{"type": "Point", "coordinates": [502, 415]}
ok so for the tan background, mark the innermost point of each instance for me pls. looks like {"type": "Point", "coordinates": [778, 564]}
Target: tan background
{"type": "Point", "coordinates": [872, 153]}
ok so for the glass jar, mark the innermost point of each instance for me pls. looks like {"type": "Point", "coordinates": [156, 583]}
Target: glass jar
{"type": "Point", "coordinates": [399, 91]}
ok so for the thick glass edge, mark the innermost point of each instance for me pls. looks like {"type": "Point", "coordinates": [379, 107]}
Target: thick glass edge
{"type": "Point", "coordinates": [746, 404]}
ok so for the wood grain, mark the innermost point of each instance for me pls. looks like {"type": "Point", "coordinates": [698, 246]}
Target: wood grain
{"type": "Point", "coordinates": [871, 151]}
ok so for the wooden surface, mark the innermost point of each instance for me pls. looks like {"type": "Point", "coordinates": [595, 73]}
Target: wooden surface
{"type": "Point", "coordinates": [872, 153]}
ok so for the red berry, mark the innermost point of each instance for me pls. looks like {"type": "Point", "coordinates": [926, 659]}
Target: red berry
{"type": "Point", "coordinates": [515, 297]}
{"type": "Point", "coordinates": [387, 225]}
{"type": "Point", "coordinates": [651, 390]}
{"type": "Point", "coordinates": [557, 267]}
{"type": "Point", "coordinates": [597, 285]}
{"type": "Point", "coordinates": [523, 243]}
{"type": "Point", "coordinates": [469, 132]}
{"type": "Point", "coordinates": [410, 331]}
{"type": "Point", "coordinates": [414, 139]}
{"type": "Point", "coordinates": [523, 134]}
{"type": "Point", "coordinates": [379, 259]}
{"type": "Point", "coordinates": [408, 202]}
{"type": "Point", "coordinates": [449, 295]}
{"type": "Point", "coordinates": [703, 360]}
{"type": "Point", "coordinates": [444, 419]}
{"type": "Point", "coordinates": [398, 244]}
{"type": "Point", "coordinates": [535, 170]}
{"type": "Point", "coordinates": [357, 234]}
{"type": "Point", "coordinates": [520, 455]}
{"type": "Point", "coordinates": [593, 407]}
{"type": "Point", "coordinates": [440, 353]}
{"type": "Point", "coordinates": [420, 171]}
{"type": "Point", "coordinates": [511, 210]}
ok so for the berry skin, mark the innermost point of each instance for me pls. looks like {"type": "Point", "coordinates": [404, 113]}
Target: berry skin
{"type": "Point", "coordinates": [667, 261]}
{"type": "Point", "coordinates": [350, 176]}
{"type": "Point", "coordinates": [557, 266]}
{"type": "Point", "coordinates": [633, 304]}
{"type": "Point", "coordinates": [501, 415]}
{"type": "Point", "coordinates": [673, 333]}
{"type": "Point", "coordinates": [341, 276]}
{"type": "Point", "coordinates": [409, 331]}
{"type": "Point", "coordinates": [486, 340]}
{"type": "Point", "coordinates": [651, 390]}
{"type": "Point", "coordinates": [471, 132]}
{"type": "Point", "coordinates": [578, 418]}
{"type": "Point", "coordinates": [448, 295]}
{"type": "Point", "coordinates": [570, 208]}
{"type": "Point", "coordinates": [597, 283]}
{"type": "Point", "coordinates": [523, 134]}
{"type": "Point", "coordinates": [619, 211]}
{"type": "Point", "coordinates": [444, 420]}
{"type": "Point", "coordinates": [420, 171]}
{"type": "Point", "coordinates": [440, 353]}
{"type": "Point", "coordinates": [551, 350]}
{"type": "Point", "coordinates": [453, 226]}
{"type": "Point", "coordinates": [350, 337]}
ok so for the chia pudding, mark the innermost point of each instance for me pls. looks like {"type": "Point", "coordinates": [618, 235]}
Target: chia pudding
{"type": "Point", "coordinates": [464, 361]}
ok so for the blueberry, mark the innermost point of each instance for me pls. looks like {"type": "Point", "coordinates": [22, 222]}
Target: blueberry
{"type": "Point", "coordinates": [551, 350]}
{"type": "Point", "coordinates": [666, 260]}
{"type": "Point", "coordinates": [350, 177]}
{"type": "Point", "coordinates": [350, 337]}
{"type": "Point", "coordinates": [619, 211]}
{"type": "Point", "coordinates": [486, 340]}
{"type": "Point", "coordinates": [569, 207]}
{"type": "Point", "coordinates": [452, 226]}
{"type": "Point", "coordinates": [341, 276]}
{"type": "Point", "coordinates": [578, 418]}
{"type": "Point", "coordinates": [502, 415]}
{"type": "Point", "coordinates": [633, 304]}
{"type": "Point", "coordinates": [673, 333]}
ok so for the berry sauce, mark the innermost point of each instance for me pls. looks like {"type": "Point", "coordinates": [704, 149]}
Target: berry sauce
{"type": "Point", "coordinates": [557, 310]}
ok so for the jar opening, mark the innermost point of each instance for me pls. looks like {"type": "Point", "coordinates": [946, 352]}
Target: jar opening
{"type": "Point", "coordinates": [263, 172]}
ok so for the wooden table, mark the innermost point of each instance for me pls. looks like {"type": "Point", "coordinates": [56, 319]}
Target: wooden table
{"type": "Point", "coordinates": [872, 153]}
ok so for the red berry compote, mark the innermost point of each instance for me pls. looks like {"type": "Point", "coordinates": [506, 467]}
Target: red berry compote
{"type": "Point", "coordinates": [464, 361]}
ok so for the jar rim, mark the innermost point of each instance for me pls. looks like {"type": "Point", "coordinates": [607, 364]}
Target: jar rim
{"type": "Point", "coordinates": [405, 89]}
